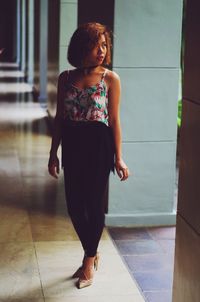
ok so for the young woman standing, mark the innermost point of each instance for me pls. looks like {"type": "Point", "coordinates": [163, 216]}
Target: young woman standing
{"type": "Point", "coordinates": [87, 124]}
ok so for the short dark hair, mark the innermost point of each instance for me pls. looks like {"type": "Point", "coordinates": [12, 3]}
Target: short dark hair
{"type": "Point", "coordinates": [84, 39]}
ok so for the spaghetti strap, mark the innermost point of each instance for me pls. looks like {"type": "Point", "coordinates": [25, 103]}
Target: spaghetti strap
{"type": "Point", "coordinates": [103, 75]}
{"type": "Point", "coordinates": [67, 74]}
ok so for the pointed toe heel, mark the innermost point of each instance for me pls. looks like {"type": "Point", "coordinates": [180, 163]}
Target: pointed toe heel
{"type": "Point", "coordinates": [90, 264]}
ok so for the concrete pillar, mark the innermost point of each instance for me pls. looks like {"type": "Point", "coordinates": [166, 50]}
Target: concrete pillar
{"type": "Point", "coordinates": [30, 70]}
{"type": "Point", "coordinates": [187, 265]}
{"type": "Point", "coordinates": [68, 24]}
{"type": "Point", "coordinates": [147, 42]}
{"type": "Point", "coordinates": [18, 30]}
{"type": "Point", "coordinates": [43, 51]}
{"type": "Point", "coordinates": [23, 36]}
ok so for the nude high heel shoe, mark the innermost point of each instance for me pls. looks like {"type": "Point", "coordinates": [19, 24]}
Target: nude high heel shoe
{"type": "Point", "coordinates": [87, 274]}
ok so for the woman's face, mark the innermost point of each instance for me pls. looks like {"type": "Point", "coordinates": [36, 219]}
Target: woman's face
{"type": "Point", "coordinates": [97, 54]}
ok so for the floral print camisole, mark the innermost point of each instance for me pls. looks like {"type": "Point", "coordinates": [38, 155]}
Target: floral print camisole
{"type": "Point", "coordinates": [88, 104]}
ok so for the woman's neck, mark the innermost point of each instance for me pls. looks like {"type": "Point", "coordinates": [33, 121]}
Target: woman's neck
{"type": "Point", "coordinates": [90, 69]}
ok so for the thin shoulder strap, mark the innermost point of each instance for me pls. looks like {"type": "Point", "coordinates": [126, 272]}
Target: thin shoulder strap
{"type": "Point", "coordinates": [103, 75]}
{"type": "Point", "coordinates": [67, 74]}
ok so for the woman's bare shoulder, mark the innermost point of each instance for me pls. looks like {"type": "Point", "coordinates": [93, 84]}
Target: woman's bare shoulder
{"type": "Point", "coordinates": [112, 77]}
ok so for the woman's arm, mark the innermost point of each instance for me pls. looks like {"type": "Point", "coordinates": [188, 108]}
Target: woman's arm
{"type": "Point", "coordinates": [53, 164]}
{"type": "Point", "coordinates": [114, 122]}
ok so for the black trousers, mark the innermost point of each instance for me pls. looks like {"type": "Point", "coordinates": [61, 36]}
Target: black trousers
{"type": "Point", "coordinates": [87, 165]}
{"type": "Point", "coordinates": [86, 207]}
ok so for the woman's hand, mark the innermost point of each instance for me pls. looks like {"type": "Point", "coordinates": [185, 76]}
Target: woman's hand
{"type": "Point", "coordinates": [54, 166]}
{"type": "Point", "coordinates": [122, 169]}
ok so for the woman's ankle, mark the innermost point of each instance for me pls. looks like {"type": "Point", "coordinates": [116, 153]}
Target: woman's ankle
{"type": "Point", "coordinates": [88, 262]}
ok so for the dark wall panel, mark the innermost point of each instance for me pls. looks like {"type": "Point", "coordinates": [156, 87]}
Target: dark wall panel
{"type": "Point", "coordinates": [192, 51]}
{"type": "Point", "coordinates": [189, 180]}
{"type": "Point", "coordinates": [8, 30]}
{"type": "Point", "coordinates": [186, 282]}
{"type": "Point", "coordinates": [102, 11]}
{"type": "Point", "coordinates": [187, 269]}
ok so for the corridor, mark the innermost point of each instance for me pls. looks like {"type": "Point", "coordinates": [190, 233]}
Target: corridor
{"type": "Point", "coordinates": [39, 248]}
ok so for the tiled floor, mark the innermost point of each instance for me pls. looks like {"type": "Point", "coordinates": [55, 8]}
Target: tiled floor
{"type": "Point", "coordinates": [39, 250]}
{"type": "Point", "coordinates": [149, 255]}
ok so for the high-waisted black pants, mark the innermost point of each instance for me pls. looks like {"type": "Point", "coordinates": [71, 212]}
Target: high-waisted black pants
{"type": "Point", "coordinates": [87, 161]}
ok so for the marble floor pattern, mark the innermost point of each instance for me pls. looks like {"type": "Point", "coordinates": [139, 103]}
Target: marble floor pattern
{"type": "Point", "coordinates": [39, 250]}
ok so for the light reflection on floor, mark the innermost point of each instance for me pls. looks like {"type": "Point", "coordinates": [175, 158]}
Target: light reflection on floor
{"type": "Point", "coordinates": [14, 87]}
{"type": "Point", "coordinates": [5, 65]}
{"type": "Point", "coordinates": [20, 112]}
{"type": "Point", "coordinates": [11, 74]}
